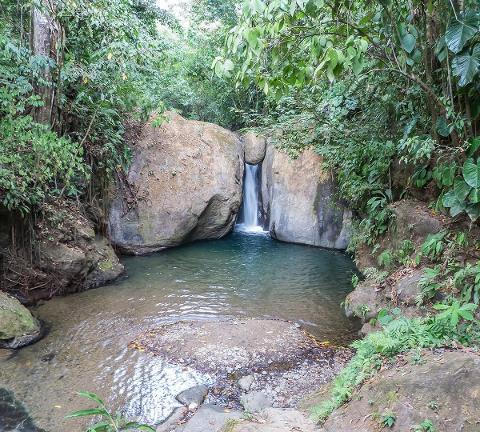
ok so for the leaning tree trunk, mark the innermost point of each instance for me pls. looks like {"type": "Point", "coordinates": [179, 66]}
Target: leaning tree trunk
{"type": "Point", "coordinates": [43, 43]}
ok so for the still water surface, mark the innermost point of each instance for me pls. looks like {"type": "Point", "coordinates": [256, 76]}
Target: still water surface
{"type": "Point", "coordinates": [242, 275]}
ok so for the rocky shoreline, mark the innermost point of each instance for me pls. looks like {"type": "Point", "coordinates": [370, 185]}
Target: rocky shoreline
{"type": "Point", "coordinates": [261, 371]}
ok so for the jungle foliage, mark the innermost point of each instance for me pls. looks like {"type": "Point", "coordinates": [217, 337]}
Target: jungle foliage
{"type": "Point", "coordinates": [65, 101]}
{"type": "Point", "coordinates": [374, 86]}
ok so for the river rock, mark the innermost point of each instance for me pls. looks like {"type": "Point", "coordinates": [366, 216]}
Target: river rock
{"type": "Point", "coordinates": [187, 182]}
{"type": "Point", "coordinates": [443, 388]}
{"type": "Point", "coordinates": [18, 327]}
{"type": "Point", "coordinates": [246, 382]}
{"type": "Point", "coordinates": [299, 200]}
{"type": "Point", "coordinates": [194, 395]}
{"type": "Point", "coordinates": [255, 401]}
{"type": "Point", "coordinates": [211, 418]}
{"type": "Point", "coordinates": [255, 147]}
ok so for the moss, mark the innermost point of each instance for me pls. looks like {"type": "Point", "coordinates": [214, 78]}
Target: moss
{"type": "Point", "coordinates": [15, 319]}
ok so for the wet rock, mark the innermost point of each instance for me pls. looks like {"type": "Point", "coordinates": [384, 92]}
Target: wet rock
{"type": "Point", "coordinates": [13, 415]}
{"type": "Point", "coordinates": [18, 327]}
{"type": "Point", "coordinates": [255, 147]}
{"type": "Point", "coordinates": [105, 265]}
{"type": "Point", "coordinates": [173, 420]}
{"type": "Point", "coordinates": [211, 418]}
{"type": "Point", "coordinates": [187, 177]}
{"type": "Point", "coordinates": [255, 401]}
{"type": "Point", "coordinates": [194, 395]}
{"type": "Point", "coordinates": [443, 388]}
{"type": "Point", "coordinates": [299, 199]}
{"type": "Point", "coordinates": [246, 382]}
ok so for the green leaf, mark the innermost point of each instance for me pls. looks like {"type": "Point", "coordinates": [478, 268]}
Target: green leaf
{"type": "Point", "coordinates": [471, 173]}
{"type": "Point", "coordinates": [473, 211]}
{"type": "Point", "coordinates": [92, 397]}
{"type": "Point", "coordinates": [138, 426]}
{"type": "Point", "coordinates": [443, 128]}
{"type": "Point", "coordinates": [460, 31]}
{"type": "Point", "coordinates": [441, 49]}
{"type": "Point", "coordinates": [87, 412]}
{"type": "Point", "coordinates": [465, 65]}
{"type": "Point", "coordinates": [408, 42]}
{"type": "Point", "coordinates": [474, 196]}
{"type": "Point", "coordinates": [474, 146]}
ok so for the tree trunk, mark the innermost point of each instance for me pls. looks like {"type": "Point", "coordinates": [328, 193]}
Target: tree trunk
{"type": "Point", "coordinates": [43, 44]}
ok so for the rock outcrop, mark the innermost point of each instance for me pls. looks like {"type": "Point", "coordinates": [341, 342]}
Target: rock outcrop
{"type": "Point", "coordinates": [69, 256]}
{"type": "Point", "coordinates": [255, 148]}
{"type": "Point", "coordinates": [187, 176]}
{"type": "Point", "coordinates": [17, 325]}
{"type": "Point", "coordinates": [443, 389]}
{"type": "Point", "coordinates": [299, 201]}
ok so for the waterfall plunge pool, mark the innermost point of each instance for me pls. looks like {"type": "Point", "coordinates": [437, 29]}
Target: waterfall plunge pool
{"type": "Point", "coordinates": [241, 275]}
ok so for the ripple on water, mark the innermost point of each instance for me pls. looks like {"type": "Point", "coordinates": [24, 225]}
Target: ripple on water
{"type": "Point", "coordinates": [243, 275]}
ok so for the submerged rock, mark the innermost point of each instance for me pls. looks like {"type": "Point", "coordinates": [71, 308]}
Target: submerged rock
{"type": "Point", "coordinates": [18, 327]}
{"type": "Point", "coordinates": [444, 389]}
{"type": "Point", "coordinates": [229, 346]}
{"type": "Point", "coordinates": [13, 415]}
{"type": "Point", "coordinates": [255, 148]}
{"type": "Point", "coordinates": [187, 177]}
{"type": "Point", "coordinates": [299, 199]}
{"type": "Point", "coordinates": [283, 362]}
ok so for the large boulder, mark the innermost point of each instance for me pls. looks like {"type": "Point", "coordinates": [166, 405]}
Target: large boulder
{"type": "Point", "coordinates": [187, 177]}
{"type": "Point", "coordinates": [443, 388]}
{"type": "Point", "coordinates": [300, 203]}
{"type": "Point", "coordinates": [18, 327]}
{"type": "Point", "coordinates": [255, 148]}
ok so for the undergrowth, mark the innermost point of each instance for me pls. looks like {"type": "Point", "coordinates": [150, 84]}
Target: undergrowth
{"type": "Point", "coordinates": [398, 335]}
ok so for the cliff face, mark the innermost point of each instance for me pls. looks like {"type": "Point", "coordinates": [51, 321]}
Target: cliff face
{"type": "Point", "coordinates": [300, 203]}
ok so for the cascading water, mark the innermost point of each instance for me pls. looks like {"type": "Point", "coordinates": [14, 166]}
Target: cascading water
{"type": "Point", "coordinates": [249, 220]}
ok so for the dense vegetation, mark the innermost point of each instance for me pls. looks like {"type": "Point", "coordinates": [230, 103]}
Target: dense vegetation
{"type": "Point", "coordinates": [387, 92]}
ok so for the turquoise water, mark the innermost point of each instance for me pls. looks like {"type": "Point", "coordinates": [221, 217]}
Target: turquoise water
{"type": "Point", "coordinates": [242, 275]}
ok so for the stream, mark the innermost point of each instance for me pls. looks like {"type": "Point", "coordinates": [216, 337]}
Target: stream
{"type": "Point", "coordinates": [242, 275]}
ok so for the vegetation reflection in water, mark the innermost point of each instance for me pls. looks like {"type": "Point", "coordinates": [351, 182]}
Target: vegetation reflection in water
{"type": "Point", "coordinates": [242, 275]}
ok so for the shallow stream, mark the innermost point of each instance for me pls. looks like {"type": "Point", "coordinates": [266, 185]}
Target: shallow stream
{"type": "Point", "coordinates": [242, 275]}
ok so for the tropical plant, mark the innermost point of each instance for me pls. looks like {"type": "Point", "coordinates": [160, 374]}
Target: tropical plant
{"type": "Point", "coordinates": [109, 422]}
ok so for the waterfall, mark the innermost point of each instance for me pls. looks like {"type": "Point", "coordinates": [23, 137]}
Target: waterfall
{"type": "Point", "coordinates": [248, 219]}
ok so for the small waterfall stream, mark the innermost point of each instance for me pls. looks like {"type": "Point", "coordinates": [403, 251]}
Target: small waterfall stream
{"type": "Point", "coordinates": [248, 219]}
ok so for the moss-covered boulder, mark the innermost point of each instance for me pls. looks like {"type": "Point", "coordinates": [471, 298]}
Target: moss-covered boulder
{"type": "Point", "coordinates": [18, 327]}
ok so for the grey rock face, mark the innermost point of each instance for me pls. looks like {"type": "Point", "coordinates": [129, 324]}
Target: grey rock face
{"type": "Point", "coordinates": [299, 201]}
{"type": "Point", "coordinates": [188, 181]}
{"type": "Point", "coordinates": [255, 147]}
